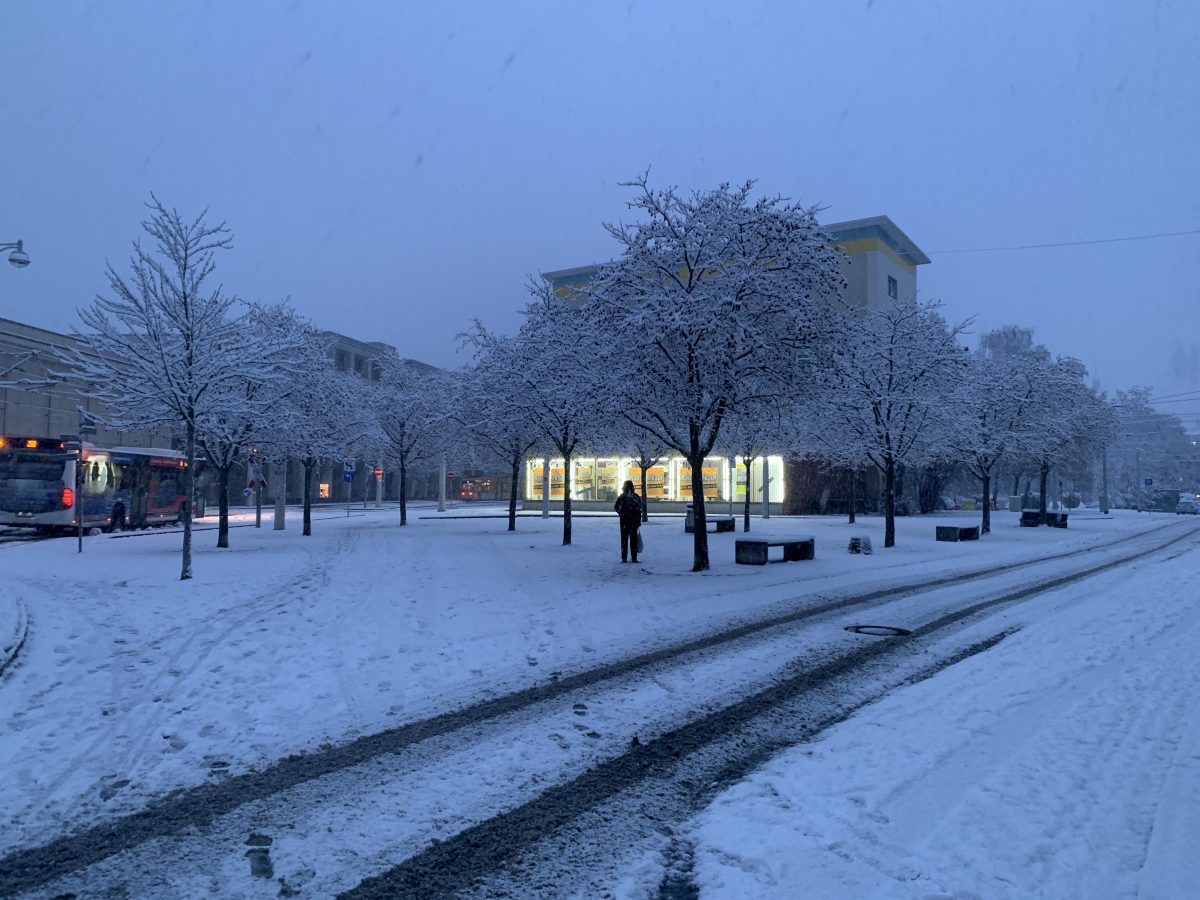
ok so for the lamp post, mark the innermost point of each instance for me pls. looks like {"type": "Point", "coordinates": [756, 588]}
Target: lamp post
{"type": "Point", "coordinates": [18, 258]}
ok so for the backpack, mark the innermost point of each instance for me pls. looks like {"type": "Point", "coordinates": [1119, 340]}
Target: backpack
{"type": "Point", "coordinates": [631, 505]}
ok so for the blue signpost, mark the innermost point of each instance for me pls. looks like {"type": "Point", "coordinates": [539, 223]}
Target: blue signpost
{"type": "Point", "coordinates": [348, 475]}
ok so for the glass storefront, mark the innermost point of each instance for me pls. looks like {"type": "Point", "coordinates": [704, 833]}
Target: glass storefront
{"type": "Point", "coordinates": [600, 478]}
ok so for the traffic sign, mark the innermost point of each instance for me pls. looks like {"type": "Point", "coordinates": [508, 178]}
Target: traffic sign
{"type": "Point", "coordinates": [1149, 482]}
{"type": "Point", "coordinates": [348, 475]}
{"type": "Point", "coordinates": [379, 471]}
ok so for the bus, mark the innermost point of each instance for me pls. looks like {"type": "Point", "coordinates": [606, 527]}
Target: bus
{"type": "Point", "coordinates": [117, 488]}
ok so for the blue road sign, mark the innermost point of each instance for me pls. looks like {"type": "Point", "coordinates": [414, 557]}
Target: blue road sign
{"type": "Point", "coordinates": [349, 476]}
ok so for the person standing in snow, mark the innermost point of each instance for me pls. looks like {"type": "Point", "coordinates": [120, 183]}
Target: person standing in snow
{"type": "Point", "coordinates": [629, 508]}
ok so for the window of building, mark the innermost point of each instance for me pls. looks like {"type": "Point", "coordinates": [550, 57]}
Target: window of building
{"type": "Point", "coordinates": [360, 365]}
{"type": "Point", "coordinates": [893, 288]}
{"type": "Point", "coordinates": [376, 371]}
{"type": "Point", "coordinates": [340, 360]}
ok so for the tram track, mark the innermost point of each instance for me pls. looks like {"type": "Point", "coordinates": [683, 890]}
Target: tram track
{"type": "Point", "coordinates": [599, 783]}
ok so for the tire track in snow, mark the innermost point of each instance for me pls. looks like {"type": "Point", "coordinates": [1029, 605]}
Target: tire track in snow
{"type": "Point", "coordinates": [663, 781]}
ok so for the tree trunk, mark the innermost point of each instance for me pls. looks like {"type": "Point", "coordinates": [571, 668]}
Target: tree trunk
{"type": "Point", "coordinates": [512, 492]}
{"type": "Point", "coordinates": [746, 461]}
{"type": "Point", "coordinates": [700, 537]}
{"type": "Point", "coordinates": [223, 506]}
{"type": "Point", "coordinates": [889, 503]}
{"type": "Point", "coordinates": [1043, 474]}
{"type": "Point", "coordinates": [404, 490]}
{"type": "Point", "coordinates": [986, 527]}
{"type": "Point", "coordinates": [852, 491]}
{"type": "Point", "coordinates": [1016, 482]}
{"type": "Point", "coordinates": [566, 499]}
{"type": "Point", "coordinates": [309, 464]}
{"type": "Point", "coordinates": [280, 494]}
{"type": "Point", "coordinates": [189, 482]}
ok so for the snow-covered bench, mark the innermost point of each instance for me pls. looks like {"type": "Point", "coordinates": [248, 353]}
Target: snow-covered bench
{"type": "Point", "coordinates": [957, 533]}
{"type": "Point", "coordinates": [721, 523]}
{"type": "Point", "coordinates": [755, 551]}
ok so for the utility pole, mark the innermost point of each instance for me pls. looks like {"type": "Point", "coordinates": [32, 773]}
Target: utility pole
{"type": "Point", "coordinates": [1137, 456]}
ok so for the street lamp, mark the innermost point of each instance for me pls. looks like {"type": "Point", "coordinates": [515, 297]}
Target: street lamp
{"type": "Point", "coordinates": [18, 257]}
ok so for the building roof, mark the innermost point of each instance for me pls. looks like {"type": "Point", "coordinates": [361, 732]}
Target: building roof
{"type": "Point", "coordinates": [883, 228]}
{"type": "Point", "coordinates": [880, 227]}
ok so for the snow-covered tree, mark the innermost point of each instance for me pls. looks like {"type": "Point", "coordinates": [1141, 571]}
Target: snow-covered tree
{"type": "Point", "coordinates": [556, 351]}
{"type": "Point", "coordinates": [882, 395]}
{"type": "Point", "coordinates": [711, 302]}
{"type": "Point", "coordinates": [489, 405]}
{"type": "Point", "coordinates": [160, 349]}
{"type": "Point", "coordinates": [1149, 443]}
{"type": "Point", "coordinates": [324, 412]}
{"type": "Point", "coordinates": [1065, 421]}
{"type": "Point", "coordinates": [275, 350]}
{"type": "Point", "coordinates": [752, 431]}
{"type": "Point", "coordinates": [990, 402]}
{"type": "Point", "coordinates": [412, 408]}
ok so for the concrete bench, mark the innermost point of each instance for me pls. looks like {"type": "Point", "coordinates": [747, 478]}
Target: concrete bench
{"type": "Point", "coordinates": [754, 551]}
{"type": "Point", "coordinates": [1031, 518]}
{"type": "Point", "coordinates": [957, 532]}
{"type": "Point", "coordinates": [719, 524]}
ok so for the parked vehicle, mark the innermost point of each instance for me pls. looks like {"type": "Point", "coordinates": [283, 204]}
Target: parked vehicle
{"type": "Point", "coordinates": [1188, 507]}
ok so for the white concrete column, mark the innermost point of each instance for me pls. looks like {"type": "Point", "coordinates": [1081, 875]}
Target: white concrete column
{"type": "Point", "coordinates": [442, 487]}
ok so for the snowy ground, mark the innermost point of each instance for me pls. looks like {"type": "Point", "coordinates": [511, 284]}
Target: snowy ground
{"type": "Point", "coordinates": [130, 683]}
{"type": "Point", "coordinates": [1065, 762]}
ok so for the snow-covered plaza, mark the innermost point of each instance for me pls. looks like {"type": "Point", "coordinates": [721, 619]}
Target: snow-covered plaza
{"type": "Point", "coordinates": [1060, 760]}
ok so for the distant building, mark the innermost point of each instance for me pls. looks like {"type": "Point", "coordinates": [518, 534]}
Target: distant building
{"type": "Point", "coordinates": [35, 402]}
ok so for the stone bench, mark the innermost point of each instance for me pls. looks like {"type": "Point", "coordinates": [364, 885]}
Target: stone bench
{"type": "Point", "coordinates": [957, 532]}
{"type": "Point", "coordinates": [754, 551]}
{"type": "Point", "coordinates": [1031, 518]}
{"type": "Point", "coordinates": [720, 524]}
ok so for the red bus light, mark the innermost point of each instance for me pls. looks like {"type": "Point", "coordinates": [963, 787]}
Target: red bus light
{"type": "Point", "coordinates": [68, 498]}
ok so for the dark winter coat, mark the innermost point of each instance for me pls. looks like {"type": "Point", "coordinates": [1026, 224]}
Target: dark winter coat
{"type": "Point", "coordinates": [629, 506]}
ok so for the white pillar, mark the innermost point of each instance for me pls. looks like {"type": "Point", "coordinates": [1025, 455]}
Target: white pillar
{"type": "Point", "coordinates": [442, 487]}
{"type": "Point", "coordinates": [766, 486]}
{"type": "Point", "coordinates": [379, 487]}
{"type": "Point", "coordinates": [732, 482]}
{"type": "Point", "coordinates": [546, 488]}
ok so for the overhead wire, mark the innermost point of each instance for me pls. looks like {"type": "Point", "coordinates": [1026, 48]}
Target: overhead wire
{"type": "Point", "coordinates": [1114, 240]}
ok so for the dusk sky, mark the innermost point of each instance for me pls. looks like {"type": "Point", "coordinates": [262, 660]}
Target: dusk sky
{"type": "Point", "coordinates": [398, 169]}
